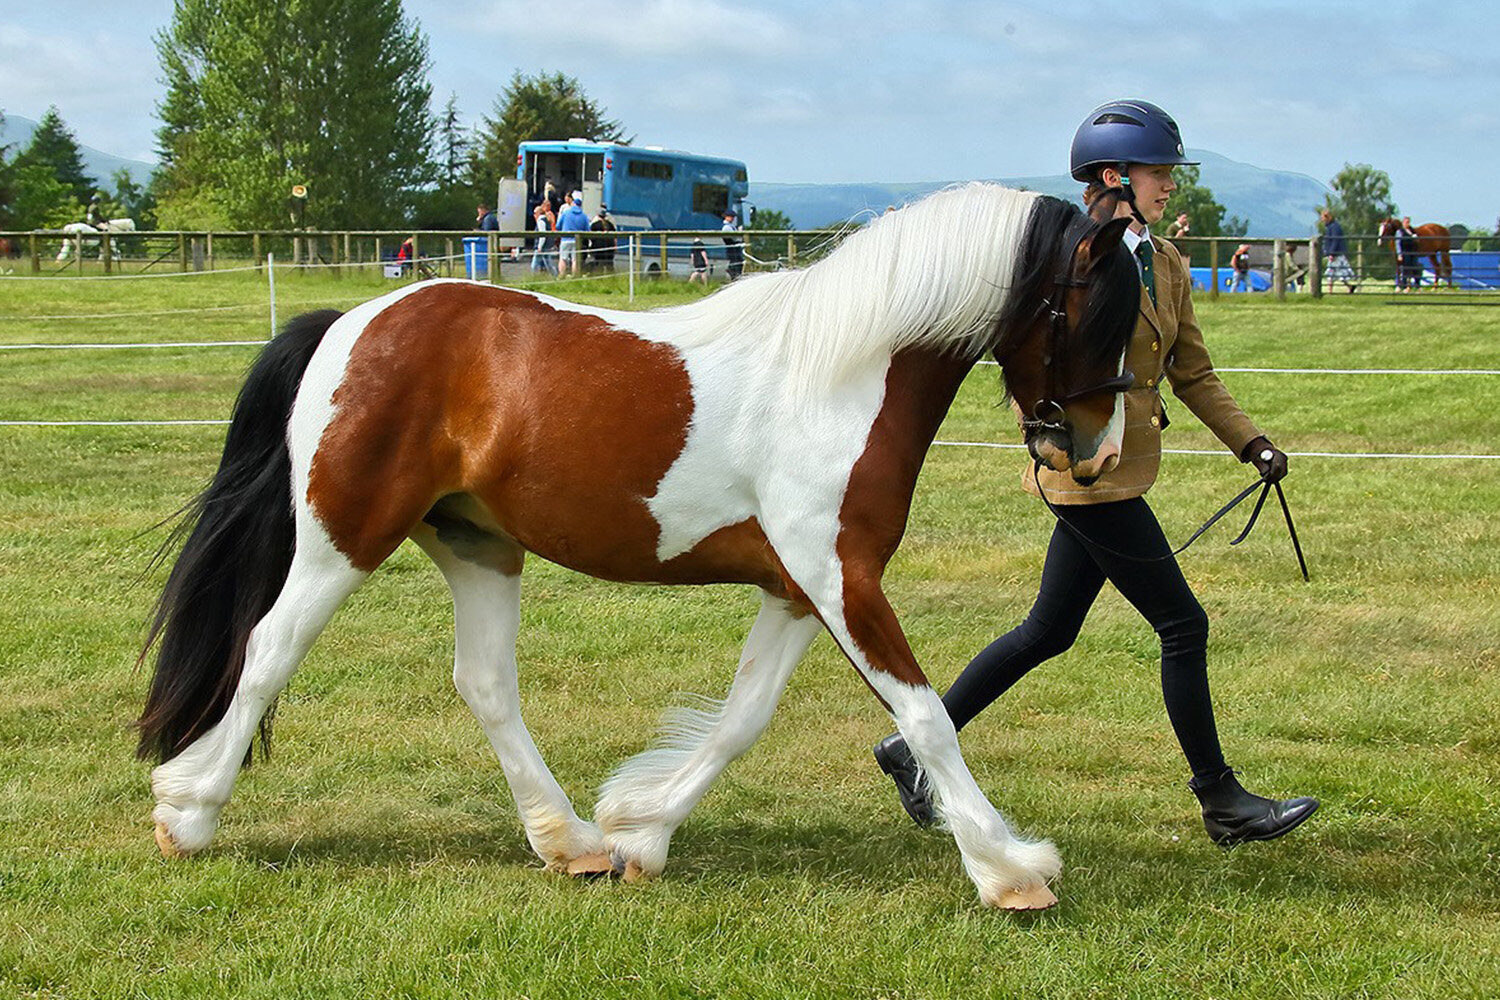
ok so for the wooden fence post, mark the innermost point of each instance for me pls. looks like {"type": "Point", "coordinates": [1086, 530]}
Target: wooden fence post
{"type": "Point", "coordinates": [255, 251]}
{"type": "Point", "coordinates": [105, 253]}
{"type": "Point", "coordinates": [1213, 267]}
{"type": "Point", "coordinates": [1315, 267]}
{"type": "Point", "coordinates": [182, 252]}
{"type": "Point", "coordinates": [36, 256]}
{"type": "Point", "coordinates": [1278, 268]}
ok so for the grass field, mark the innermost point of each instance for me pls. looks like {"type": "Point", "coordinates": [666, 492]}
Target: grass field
{"type": "Point", "coordinates": [377, 853]}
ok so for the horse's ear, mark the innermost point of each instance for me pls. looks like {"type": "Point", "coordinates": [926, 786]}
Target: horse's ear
{"type": "Point", "coordinates": [1102, 208]}
{"type": "Point", "coordinates": [1107, 239]}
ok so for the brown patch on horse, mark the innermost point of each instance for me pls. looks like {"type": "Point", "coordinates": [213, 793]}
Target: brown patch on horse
{"type": "Point", "coordinates": [919, 389]}
{"type": "Point", "coordinates": [548, 427]}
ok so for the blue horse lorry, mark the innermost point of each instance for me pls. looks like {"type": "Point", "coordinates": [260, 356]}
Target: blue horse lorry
{"type": "Point", "coordinates": [644, 187]}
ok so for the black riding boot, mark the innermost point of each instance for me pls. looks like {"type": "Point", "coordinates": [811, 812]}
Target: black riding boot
{"type": "Point", "coordinates": [896, 759]}
{"type": "Point", "coordinates": [1232, 815]}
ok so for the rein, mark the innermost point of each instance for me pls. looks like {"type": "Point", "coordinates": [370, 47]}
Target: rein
{"type": "Point", "coordinates": [1262, 483]}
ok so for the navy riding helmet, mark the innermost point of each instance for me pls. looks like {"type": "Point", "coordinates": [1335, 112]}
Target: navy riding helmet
{"type": "Point", "coordinates": [1126, 131]}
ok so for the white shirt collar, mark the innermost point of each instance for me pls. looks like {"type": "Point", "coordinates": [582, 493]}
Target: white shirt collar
{"type": "Point", "coordinates": [1132, 239]}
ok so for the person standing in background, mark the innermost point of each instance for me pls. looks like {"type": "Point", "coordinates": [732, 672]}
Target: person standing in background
{"type": "Point", "coordinates": [735, 247]}
{"type": "Point", "coordinates": [1335, 250]}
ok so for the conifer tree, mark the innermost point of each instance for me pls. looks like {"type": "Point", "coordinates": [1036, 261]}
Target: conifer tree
{"type": "Point", "coordinates": [53, 146]}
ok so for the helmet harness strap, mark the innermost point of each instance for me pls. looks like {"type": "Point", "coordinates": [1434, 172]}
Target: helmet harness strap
{"type": "Point", "coordinates": [1128, 194]}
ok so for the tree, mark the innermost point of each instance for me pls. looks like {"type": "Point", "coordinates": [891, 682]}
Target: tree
{"type": "Point", "coordinates": [266, 94]}
{"type": "Point", "coordinates": [7, 181]}
{"type": "Point", "coordinates": [453, 145]}
{"type": "Point", "coordinates": [1361, 199]}
{"type": "Point", "coordinates": [536, 107]}
{"type": "Point", "coordinates": [768, 247]}
{"type": "Point", "coordinates": [447, 201]}
{"type": "Point", "coordinates": [39, 199]}
{"type": "Point", "coordinates": [1478, 238]}
{"type": "Point", "coordinates": [133, 200]}
{"type": "Point", "coordinates": [1205, 215]}
{"type": "Point", "coordinates": [53, 146]}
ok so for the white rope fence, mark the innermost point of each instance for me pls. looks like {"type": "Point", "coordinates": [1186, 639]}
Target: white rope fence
{"type": "Point", "coordinates": [1344, 371]}
{"type": "Point", "coordinates": [1225, 454]}
{"type": "Point", "coordinates": [540, 253]}
{"type": "Point", "coordinates": [1219, 453]}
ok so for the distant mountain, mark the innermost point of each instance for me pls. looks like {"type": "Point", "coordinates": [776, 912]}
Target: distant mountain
{"type": "Point", "coordinates": [16, 132]}
{"type": "Point", "coordinates": [1275, 202]}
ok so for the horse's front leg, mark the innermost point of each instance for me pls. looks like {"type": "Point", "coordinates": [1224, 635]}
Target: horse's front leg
{"type": "Point", "coordinates": [1009, 872]}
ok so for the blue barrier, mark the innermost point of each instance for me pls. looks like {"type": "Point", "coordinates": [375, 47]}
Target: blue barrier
{"type": "Point", "coordinates": [476, 257]}
{"type": "Point", "coordinates": [1474, 269]}
{"type": "Point", "coordinates": [1260, 281]}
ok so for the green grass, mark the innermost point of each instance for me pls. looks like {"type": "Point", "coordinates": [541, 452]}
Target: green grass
{"type": "Point", "coordinates": [377, 853]}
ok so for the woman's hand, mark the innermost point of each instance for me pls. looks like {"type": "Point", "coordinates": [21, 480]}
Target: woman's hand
{"type": "Point", "coordinates": [1269, 460]}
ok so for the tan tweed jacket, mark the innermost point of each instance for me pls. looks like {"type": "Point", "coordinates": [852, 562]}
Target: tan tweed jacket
{"type": "Point", "coordinates": [1166, 343]}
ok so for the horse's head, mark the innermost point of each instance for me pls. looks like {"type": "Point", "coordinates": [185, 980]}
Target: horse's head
{"type": "Point", "coordinates": [1063, 333]}
{"type": "Point", "coordinates": [1387, 230]}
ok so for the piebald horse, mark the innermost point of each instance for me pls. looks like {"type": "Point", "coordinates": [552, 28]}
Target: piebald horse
{"type": "Point", "coordinates": [1433, 242]}
{"type": "Point", "coordinates": [770, 434]}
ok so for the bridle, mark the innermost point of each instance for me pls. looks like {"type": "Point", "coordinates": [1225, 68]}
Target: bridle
{"type": "Point", "coordinates": [1048, 413]}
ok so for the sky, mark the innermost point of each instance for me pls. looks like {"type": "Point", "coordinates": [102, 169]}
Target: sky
{"type": "Point", "coordinates": [828, 91]}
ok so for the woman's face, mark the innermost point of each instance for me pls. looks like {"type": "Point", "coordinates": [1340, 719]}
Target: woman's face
{"type": "Point", "coordinates": [1153, 185]}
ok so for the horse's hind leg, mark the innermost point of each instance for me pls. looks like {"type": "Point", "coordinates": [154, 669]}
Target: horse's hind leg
{"type": "Point", "coordinates": [192, 788]}
{"type": "Point", "coordinates": [484, 572]}
{"type": "Point", "coordinates": [652, 793]}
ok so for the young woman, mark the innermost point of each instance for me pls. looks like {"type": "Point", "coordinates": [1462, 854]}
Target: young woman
{"type": "Point", "coordinates": [1125, 150]}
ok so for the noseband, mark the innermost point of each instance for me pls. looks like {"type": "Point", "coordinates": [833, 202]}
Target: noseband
{"type": "Point", "coordinates": [1048, 413]}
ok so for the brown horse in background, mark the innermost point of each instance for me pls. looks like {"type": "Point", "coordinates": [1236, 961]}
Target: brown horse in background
{"type": "Point", "coordinates": [1433, 242]}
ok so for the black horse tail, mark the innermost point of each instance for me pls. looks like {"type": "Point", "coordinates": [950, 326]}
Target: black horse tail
{"type": "Point", "coordinates": [237, 540]}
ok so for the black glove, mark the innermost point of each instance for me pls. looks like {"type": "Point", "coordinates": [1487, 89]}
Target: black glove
{"type": "Point", "coordinates": [1269, 460]}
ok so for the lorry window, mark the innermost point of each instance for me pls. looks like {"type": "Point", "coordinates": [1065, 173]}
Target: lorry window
{"type": "Point", "coordinates": [651, 169]}
{"type": "Point", "coordinates": [710, 198]}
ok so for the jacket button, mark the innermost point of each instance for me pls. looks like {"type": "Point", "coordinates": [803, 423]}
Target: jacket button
{"type": "Point", "coordinates": [1155, 421]}
{"type": "Point", "coordinates": [1156, 345]}
{"type": "Point", "coordinates": [1150, 383]}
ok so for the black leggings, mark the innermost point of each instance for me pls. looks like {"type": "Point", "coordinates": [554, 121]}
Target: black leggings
{"type": "Point", "coordinates": [1075, 570]}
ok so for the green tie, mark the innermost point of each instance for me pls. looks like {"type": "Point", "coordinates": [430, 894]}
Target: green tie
{"type": "Point", "coordinates": [1146, 253]}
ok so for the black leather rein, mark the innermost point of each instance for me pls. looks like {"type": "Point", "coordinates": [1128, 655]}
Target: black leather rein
{"type": "Point", "coordinates": [1262, 484]}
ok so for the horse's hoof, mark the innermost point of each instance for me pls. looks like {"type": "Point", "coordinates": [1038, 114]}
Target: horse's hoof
{"type": "Point", "coordinates": [1039, 898]}
{"type": "Point", "coordinates": [166, 844]}
{"type": "Point", "coordinates": [635, 873]}
{"type": "Point", "coordinates": [590, 865]}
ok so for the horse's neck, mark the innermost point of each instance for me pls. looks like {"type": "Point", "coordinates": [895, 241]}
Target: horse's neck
{"type": "Point", "coordinates": [920, 386]}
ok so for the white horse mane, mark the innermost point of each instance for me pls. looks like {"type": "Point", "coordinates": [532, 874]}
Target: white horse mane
{"type": "Point", "coordinates": [934, 273]}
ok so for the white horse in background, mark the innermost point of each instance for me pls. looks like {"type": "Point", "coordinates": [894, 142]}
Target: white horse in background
{"type": "Point", "coordinates": [79, 233]}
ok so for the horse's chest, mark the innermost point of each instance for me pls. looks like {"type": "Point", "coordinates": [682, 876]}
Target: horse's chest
{"type": "Point", "coordinates": [758, 449]}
